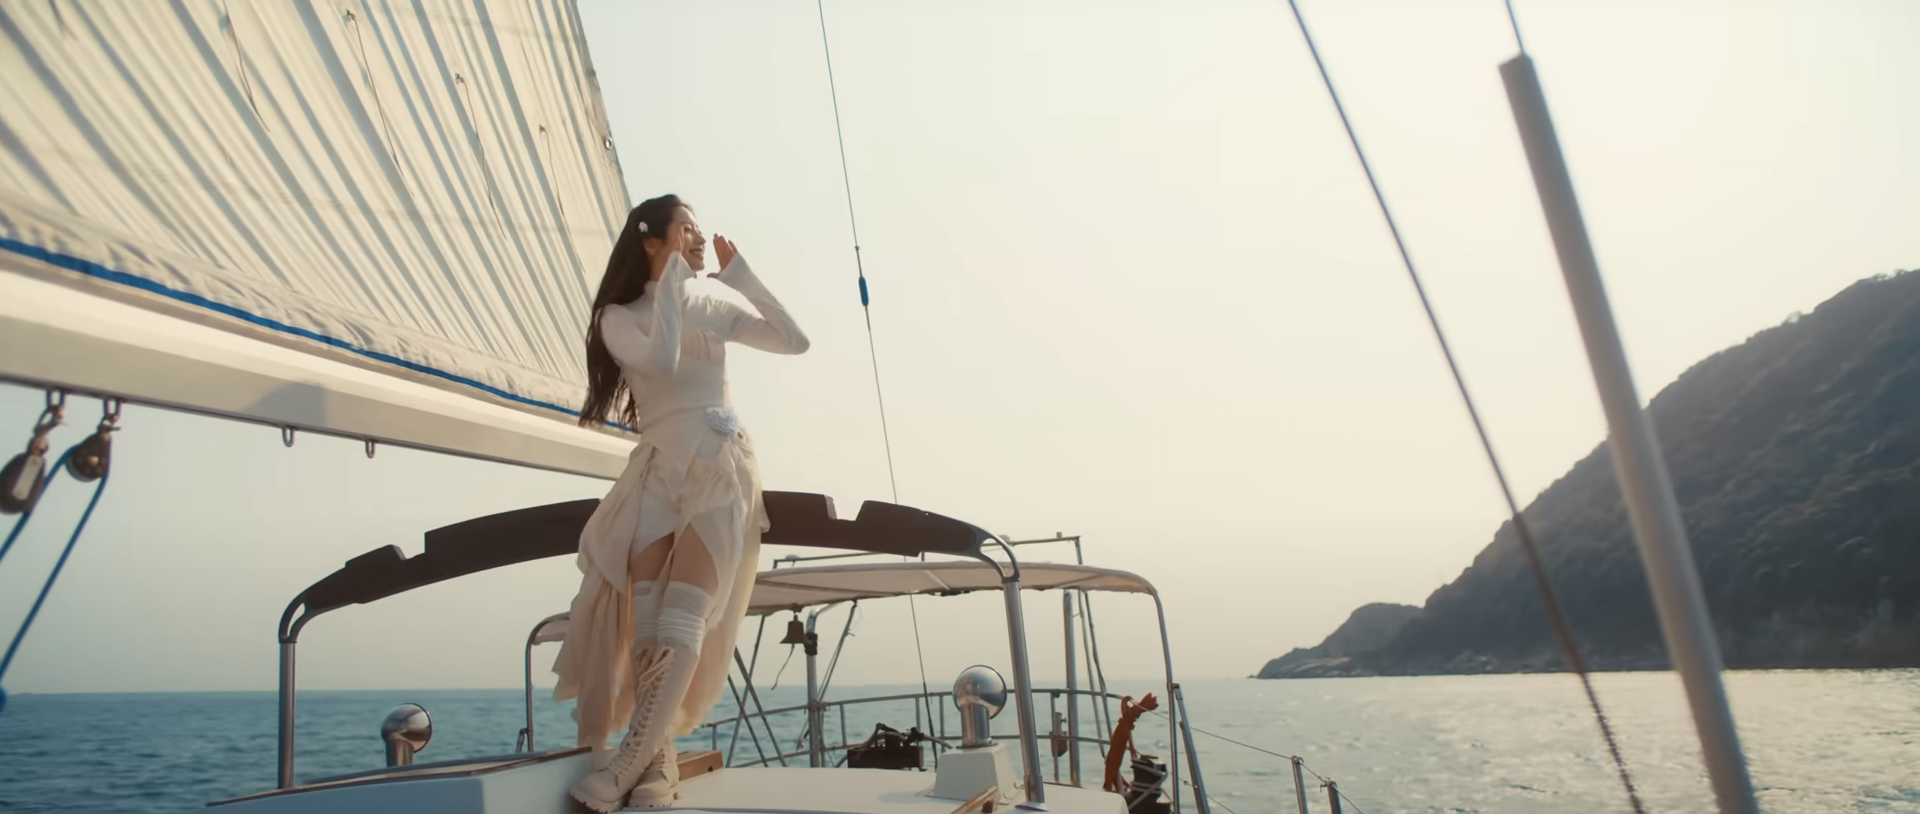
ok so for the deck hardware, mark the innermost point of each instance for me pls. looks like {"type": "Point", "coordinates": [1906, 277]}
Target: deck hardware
{"type": "Point", "coordinates": [90, 459]}
{"type": "Point", "coordinates": [406, 731]}
{"type": "Point", "coordinates": [26, 475]}
{"type": "Point", "coordinates": [796, 631]}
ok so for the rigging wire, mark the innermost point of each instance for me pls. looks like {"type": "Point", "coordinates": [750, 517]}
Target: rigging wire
{"type": "Point", "coordinates": [853, 224]}
{"type": "Point", "coordinates": [1269, 752]}
{"type": "Point", "coordinates": [1556, 614]}
{"type": "Point", "coordinates": [919, 653]}
{"type": "Point", "coordinates": [1215, 800]}
{"type": "Point", "coordinates": [1514, 20]}
{"type": "Point", "coordinates": [873, 353]}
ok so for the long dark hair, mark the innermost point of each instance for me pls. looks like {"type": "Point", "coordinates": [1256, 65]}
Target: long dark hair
{"type": "Point", "coordinates": [629, 269]}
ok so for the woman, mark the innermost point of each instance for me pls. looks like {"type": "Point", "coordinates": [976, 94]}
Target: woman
{"type": "Point", "coordinates": [668, 557]}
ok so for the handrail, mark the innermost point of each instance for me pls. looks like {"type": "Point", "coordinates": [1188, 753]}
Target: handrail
{"type": "Point", "coordinates": [829, 705]}
{"type": "Point", "coordinates": [824, 750]}
{"type": "Point", "coordinates": [718, 722]}
{"type": "Point", "coordinates": [844, 746]}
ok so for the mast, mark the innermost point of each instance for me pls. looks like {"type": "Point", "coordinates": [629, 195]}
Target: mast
{"type": "Point", "coordinates": [1644, 482]}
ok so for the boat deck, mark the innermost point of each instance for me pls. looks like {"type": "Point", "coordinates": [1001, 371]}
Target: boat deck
{"type": "Point", "coordinates": [538, 785]}
{"type": "Point", "coordinates": [851, 791]}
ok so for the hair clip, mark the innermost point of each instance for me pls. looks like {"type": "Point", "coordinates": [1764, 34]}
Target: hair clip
{"type": "Point", "coordinates": [641, 227]}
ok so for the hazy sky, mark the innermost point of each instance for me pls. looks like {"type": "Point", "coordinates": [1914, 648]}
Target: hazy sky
{"type": "Point", "coordinates": [1128, 283]}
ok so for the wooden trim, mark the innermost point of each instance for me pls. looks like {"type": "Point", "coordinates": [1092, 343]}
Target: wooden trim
{"type": "Point", "coordinates": [694, 764]}
{"type": "Point", "coordinates": [984, 802]}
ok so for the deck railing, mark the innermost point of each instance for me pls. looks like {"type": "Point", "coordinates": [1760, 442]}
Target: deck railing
{"type": "Point", "coordinates": [756, 728]}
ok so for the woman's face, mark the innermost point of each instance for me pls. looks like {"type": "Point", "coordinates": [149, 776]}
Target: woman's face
{"type": "Point", "coordinates": [693, 242]}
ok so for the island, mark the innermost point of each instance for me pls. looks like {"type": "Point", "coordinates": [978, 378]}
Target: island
{"type": "Point", "coordinates": [1796, 460]}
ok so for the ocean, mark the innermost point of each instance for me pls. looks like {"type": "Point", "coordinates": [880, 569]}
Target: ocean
{"type": "Point", "coordinates": [1816, 741]}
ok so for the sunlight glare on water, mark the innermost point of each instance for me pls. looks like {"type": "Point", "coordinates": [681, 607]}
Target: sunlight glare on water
{"type": "Point", "coordinates": [1817, 742]}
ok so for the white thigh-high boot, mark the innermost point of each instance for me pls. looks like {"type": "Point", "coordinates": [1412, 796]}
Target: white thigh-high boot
{"type": "Point", "coordinates": [646, 627]}
{"type": "Point", "coordinates": [660, 687]}
{"type": "Point", "coordinates": [662, 774]}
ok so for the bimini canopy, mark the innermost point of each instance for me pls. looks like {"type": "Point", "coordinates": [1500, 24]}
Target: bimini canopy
{"type": "Point", "coordinates": [794, 589]}
{"type": "Point", "coordinates": [785, 589]}
{"type": "Point", "coordinates": [382, 221]}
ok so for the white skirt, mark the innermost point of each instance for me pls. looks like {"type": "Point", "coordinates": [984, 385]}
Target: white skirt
{"type": "Point", "coordinates": [716, 492]}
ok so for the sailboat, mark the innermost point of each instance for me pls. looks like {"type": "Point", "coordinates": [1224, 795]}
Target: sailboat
{"type": "Point", "coordinates": [383, 224]}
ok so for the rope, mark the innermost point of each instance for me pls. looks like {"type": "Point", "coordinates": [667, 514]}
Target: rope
{"type": "Point", "coordinates": [1562, 631]}
{"type": "Point", "coordinates": [20, 525]}
{"type": "Point", "coordinates": [41, 600]}
{"type": "Point", "coordinates": [783, 667]}
{"type": "Point", "coordinates": [873, 353]}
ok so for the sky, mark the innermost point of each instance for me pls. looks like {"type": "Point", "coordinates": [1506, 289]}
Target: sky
{"type": "Point", "coordinates": [1128, 283]}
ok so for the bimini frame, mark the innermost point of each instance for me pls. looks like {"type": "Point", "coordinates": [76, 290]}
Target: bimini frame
{"type": "Point", "coordinates": [814, 588]}
{"type": "Point", "coordinates": [508, 538]}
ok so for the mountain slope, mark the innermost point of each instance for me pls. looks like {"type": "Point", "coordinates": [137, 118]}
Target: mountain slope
{"type": "Point", "coordinates": [1369, 628]}
{"type": "Point", "coordinates": [1796, 460]}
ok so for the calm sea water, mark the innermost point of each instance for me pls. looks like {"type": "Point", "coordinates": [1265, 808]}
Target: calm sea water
{"type": "Point", "coordinates": [1816, 741]}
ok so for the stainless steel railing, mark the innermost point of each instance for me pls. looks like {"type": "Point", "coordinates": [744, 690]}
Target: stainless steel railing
{"type": "Point", "coordinates": [1064, 736]}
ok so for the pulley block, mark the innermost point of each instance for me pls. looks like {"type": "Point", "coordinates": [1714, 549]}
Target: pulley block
{"type": "Point", "coordinates": [22, 480]}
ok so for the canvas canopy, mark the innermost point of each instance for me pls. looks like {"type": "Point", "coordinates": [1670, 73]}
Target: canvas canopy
{"type": "Point", "coordinates": [788, 589]}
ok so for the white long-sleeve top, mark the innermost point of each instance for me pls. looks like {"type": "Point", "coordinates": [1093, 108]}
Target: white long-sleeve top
{"type": "Point", "coordinates": [672, 349]}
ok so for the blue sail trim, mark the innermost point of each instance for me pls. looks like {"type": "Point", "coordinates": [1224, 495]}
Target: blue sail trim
{"type": "Point", "coordinates": [99, 272]}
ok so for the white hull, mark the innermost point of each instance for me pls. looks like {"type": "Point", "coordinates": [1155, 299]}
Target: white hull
{"type": "Point", "coordinates": [539, 786]}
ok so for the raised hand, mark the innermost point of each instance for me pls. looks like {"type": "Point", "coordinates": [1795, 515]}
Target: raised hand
{"type": "Point", "coordinates": [725, 250]}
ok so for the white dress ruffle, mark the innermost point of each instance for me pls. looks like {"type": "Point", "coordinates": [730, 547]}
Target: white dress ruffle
{"type": "Point", "coordinates": [693, 468]}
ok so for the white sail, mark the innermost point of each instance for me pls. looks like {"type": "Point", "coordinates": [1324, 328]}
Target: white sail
{"type": "Point", "coordinates": [381, 220]}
